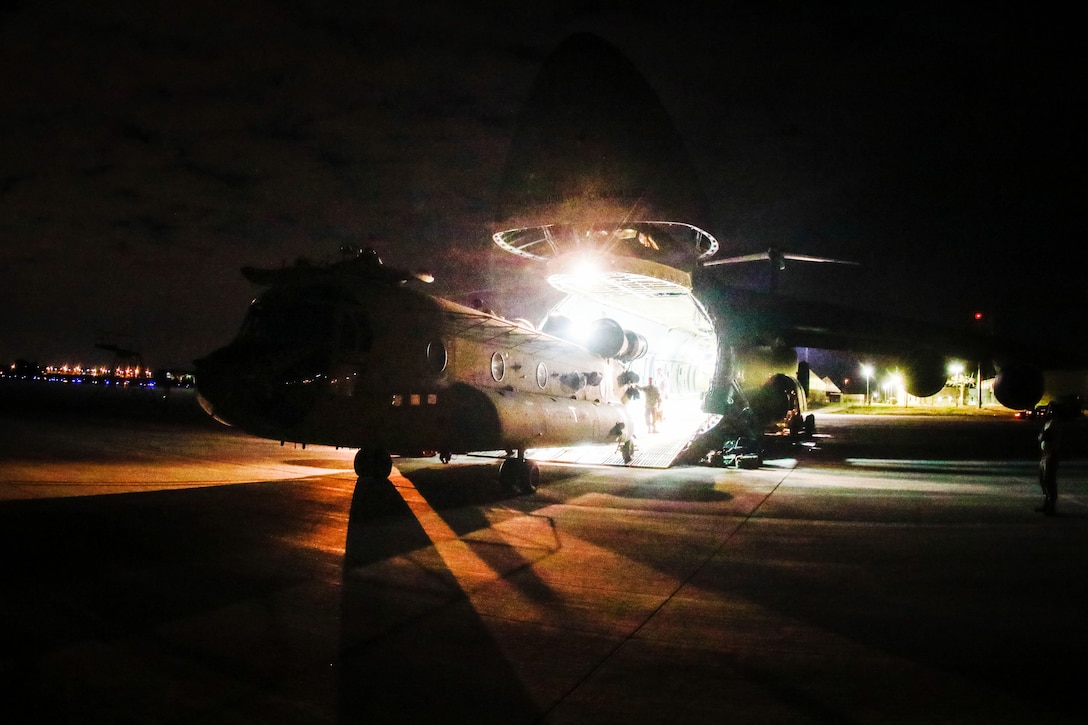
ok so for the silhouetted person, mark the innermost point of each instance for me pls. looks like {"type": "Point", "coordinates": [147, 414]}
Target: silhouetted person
{"type": "Point", "coordinates": [653, 405]}
{"type": "Point", "coordinates": [1050, 442]}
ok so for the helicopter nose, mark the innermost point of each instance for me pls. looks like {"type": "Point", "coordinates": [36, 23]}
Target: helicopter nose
{"type": "Point", "coordinates": [213, 386]}
{"type": "Point", "coordinates": [223, 385]}
{"type": "Point", "coordinates": [266, 392]}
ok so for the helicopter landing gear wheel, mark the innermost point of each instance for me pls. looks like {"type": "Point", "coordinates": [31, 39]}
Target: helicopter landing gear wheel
{"type": "Point", "coordinates": [519, 475]}
{"type": "Point", "coordinates": [373, 463]}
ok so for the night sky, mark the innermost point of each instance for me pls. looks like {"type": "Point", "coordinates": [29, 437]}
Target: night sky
{"type": "Point", "coordinates": [150, 150]}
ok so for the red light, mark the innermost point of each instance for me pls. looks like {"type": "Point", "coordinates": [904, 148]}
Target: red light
{"type": "Point", "coordinates": [978, 315]}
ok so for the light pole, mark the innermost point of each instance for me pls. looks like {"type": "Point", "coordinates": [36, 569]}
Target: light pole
{"type": "Point", "coordinates": [867, 371]}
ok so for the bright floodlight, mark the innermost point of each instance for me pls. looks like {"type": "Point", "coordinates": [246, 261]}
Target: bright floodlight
{"type": "Point", "coordinates": [586, 268]}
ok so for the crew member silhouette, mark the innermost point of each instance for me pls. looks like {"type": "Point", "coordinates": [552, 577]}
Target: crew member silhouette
{"type": "Point", "coordinates": [1050, 446]}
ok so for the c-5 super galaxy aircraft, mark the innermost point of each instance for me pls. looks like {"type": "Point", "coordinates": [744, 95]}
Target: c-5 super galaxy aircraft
{"type": "Point", "coordinates": [598, 191]}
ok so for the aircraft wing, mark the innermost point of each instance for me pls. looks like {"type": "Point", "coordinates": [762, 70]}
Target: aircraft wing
{"type": "Point", "coordinates": [751, 317]}
{"type": "Point", "coordinates": [777, 257]}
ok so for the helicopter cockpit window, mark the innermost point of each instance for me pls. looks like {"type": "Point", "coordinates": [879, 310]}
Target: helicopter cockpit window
{"type": "Point", "coordinates": [308, 325]}
{"type": "Point", "coordinates": [355, 332]}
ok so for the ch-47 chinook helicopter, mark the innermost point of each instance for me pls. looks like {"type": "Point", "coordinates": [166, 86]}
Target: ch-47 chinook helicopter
{"type": "Point", "coordinates": [355, 354]}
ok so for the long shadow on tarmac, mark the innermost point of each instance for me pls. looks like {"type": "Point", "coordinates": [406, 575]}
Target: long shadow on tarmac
{"type": "Point", "coordinates": [410, 636]}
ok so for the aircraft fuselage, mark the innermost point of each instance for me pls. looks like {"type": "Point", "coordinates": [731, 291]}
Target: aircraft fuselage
{"type": "Point", "coordinates": [343, 361]}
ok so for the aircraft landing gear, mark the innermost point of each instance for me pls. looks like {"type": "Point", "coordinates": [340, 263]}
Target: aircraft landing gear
{"type": "Point", "coordinates": [373, 463]}
{"type": "Point", "coordinates": [810, 424]}
{"type": "Point", "coordinates": [445, 456]}
{"type": "Point", "coordinates": [519, 475]}
{"type": "Point", "coordinates": [802, 427]}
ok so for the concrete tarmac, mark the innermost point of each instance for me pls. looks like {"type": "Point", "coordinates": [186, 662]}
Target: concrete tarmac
{"type": "Point", "coordinates": [160, 569]}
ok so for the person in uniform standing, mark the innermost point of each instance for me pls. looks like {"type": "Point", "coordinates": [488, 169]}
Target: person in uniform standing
{"type": "Point", "coordinates": [653, 405]}
{"type": "Point", "coordinates": [1052, 448]}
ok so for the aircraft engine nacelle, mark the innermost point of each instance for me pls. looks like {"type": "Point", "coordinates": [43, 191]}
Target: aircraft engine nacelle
{"type": "Point", "coordinates": [780, 403]}
{"type": "Point", "coordinates": [608, 339]}
{"type": "Point", "coordinates": [1018, 387]}
{"type": "Point", "coordinates": [924, 373]}
{"type": "Point", "coordinates": [774, 399]}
